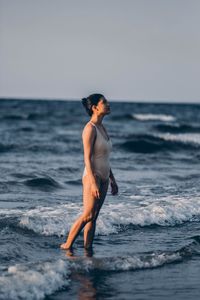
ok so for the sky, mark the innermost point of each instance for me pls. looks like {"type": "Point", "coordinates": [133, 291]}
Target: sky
{"type": "Point", "coordinates": [128, 50]}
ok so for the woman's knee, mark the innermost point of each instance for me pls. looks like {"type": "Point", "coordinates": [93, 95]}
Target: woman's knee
{"type": "Point", "coordinates": [88, 218]}
{"type": "Point", "coordinates": [89, 226]}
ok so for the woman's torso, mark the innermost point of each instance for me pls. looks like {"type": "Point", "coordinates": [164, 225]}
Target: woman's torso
{"type": "Point", "coordinates": [100, 155]}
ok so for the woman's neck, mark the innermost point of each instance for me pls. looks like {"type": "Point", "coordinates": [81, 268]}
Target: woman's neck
{"type": "Point", "coordinates": [97, 119]}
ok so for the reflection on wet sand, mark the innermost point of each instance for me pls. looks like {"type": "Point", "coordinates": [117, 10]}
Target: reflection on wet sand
{"type": "Point", "coordinates": [86, 288]}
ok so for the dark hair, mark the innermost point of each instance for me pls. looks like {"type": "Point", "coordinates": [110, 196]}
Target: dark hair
{"type": "Point", "coordinates": [90, 101]}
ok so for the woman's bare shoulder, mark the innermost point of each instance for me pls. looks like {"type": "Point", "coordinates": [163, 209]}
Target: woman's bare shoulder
{"type": "Point", "coordinates": [88, 129]}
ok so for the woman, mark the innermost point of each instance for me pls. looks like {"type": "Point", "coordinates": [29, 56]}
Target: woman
{"type": "Point", "coordinates": [97, 146]}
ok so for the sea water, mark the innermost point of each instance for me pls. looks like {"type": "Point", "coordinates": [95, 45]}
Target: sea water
{"type": "Point", "coordinates": [147, 242]}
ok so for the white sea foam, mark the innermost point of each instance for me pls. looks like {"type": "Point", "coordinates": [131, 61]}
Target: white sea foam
{"type": "Point", "coordinates": [164, 213]}
{"type": "Point", "coordinates": [154, 117]}
{"type": "Point", "coordinates": [40, 280]}
{"type": "Point", "coordinates": [51, 220]}
{"type": "Point", "coordinates": [193, 138]}
{"type": "Point", "coordinates": [34, 281]}
{"type": "Point", "coordinates": [126, 263]}
{"type": "Point", "coordinates": [167, 211]}
{"type": "Point", "coordinates": [10, 212]}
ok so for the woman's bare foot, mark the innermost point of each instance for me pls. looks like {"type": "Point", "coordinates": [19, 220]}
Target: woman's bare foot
{"type": "Point", "coordinates": [88, 252]}
{"type": "Point", "coordinates": [65, 247]}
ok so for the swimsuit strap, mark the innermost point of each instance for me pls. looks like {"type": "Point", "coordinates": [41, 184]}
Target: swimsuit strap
{"type": "Point", "coordinates": [92, 123]}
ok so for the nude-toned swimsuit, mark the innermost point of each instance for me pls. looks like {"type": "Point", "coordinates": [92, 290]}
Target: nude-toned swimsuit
{"type": "Point", "coordinates": [100, 156]}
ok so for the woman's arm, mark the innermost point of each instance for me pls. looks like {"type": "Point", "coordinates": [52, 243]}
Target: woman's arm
{"type": "Point", "coordinates": [111, 176]}
{"type": "Point", "coordinates": [88, 136]}
{"type": "Point", "coordinates": [114, 186]}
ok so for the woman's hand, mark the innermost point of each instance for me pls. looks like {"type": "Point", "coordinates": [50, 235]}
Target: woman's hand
{"type": "Point", "coordinates": [114, 187]}
{"type": "Point", "coordinates": [95, 190]}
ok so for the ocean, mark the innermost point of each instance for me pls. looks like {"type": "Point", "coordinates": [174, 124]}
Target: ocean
{"type": "Point", "coordinates": [147, 242]}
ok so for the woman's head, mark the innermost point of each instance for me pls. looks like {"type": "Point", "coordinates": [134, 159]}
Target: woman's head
{"type": "Point", "coordinates": [95, 103]}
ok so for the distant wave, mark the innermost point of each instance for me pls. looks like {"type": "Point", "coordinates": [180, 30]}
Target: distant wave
{"type": "Point", "coordinates": [144, 117]}
{"type": "Point", "coordinates": [41, 148]}
{"type": "Point", "coordinates": [144, 143]}
{"type": "Point", "coordinates": [21, 175]}
{"type": "Point", "coordinates": [14, 117]}
{"type": "Point", "coordinates": [28, 116]}
{"type": "Point", "coordinates": [68, 169]}
{"type": "Point", "coordinates": [35, 116]}
{"type": "Point", "coordinates": [184, 138]}
{"type": "Point", "coordinates": [183, 128]}
{"type": "Point", "coordinates": [54, 148]}
{"type": "Point", "coordinates": [74, 182]}
{"type": "Point", "coordinates": [25, 129]}
{"type": "Point", "coordinates": [42, 183]}
{"type": "Point", "coordinates": [193, 176]}
{"type": "Point", "coordinates": [154, 117]}
{"type": "Point", "coordinates": [35, 281]}
{"type": "Point", "coordinates": [6, 147]}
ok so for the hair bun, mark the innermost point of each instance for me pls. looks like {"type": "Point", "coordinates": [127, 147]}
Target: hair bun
{"type": "Point", "coordinates": [84, 101]}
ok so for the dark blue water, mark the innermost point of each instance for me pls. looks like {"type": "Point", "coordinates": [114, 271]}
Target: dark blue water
{"type": "Point", "coordinates": [147, 243]}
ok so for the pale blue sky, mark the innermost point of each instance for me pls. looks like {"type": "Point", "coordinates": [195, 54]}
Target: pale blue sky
{"type": "Point", "coordinates": [140, 50]}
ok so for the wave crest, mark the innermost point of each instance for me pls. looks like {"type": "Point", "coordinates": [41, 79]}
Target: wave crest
{"type": "Point", "coordinates": [34, 281]}
{"type": "Point", "coordinates": [114, 217]}
{"type": "Point", "coordinates": [192, 139]}
{"type": "Point", "coordinates": [153, 117]}
{"type": "Point", "coordinates": [144, 143]}
{"type": "Point", "coordinates": [42, 183]}
{"type": "Point", "coordinates": [177, 128]}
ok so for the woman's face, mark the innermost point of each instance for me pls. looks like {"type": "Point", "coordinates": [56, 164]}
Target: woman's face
{"type": "Point", "coordinates": [103, 106]}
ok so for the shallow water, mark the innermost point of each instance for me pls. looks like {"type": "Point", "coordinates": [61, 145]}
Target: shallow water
{"type": "Point", "coordinates": [147, 241]}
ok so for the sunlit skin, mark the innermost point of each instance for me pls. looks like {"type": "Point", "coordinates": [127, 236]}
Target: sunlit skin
{"type": "Point", "coordinates": [94, 189]}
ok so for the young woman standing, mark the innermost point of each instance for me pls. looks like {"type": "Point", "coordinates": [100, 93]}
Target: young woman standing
{"type": "Point", "coordinates": [97, 173]}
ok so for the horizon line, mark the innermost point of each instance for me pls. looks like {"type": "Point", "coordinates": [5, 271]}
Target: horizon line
{"type": "Point", "coordinates": [112, 100]}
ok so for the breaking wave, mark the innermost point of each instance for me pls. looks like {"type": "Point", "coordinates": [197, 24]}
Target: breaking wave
{"type": "Point", "coordinates": [35, 281]}
{"type": "Point", "coordinates": [184, 138]}
{"type": "Point", "coordinates": [42, 183]}
{"type": "Point", "coordinates": [154, 117]}
{"type": "Point", "coordinates": [144, 143]}
{"type": "Point", "coordinates": [177, 128]}
{"type": "Point", "coordinates": [169, 211]}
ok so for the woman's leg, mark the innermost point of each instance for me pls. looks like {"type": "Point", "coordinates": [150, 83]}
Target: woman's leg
{"type": "Point", "coordinates": [90, 207]}
{"type": "Point", "coordinates": [89, 229]}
